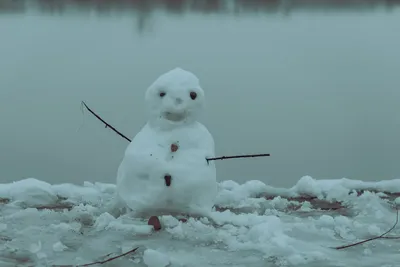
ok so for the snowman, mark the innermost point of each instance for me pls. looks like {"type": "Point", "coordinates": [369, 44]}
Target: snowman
{"type": "Point", "coordinates": [165, 169]}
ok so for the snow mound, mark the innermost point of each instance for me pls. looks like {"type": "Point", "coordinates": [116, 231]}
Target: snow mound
{"type": "Point", "coordinates": [251, 225]}
{"type": "Point", "coordinates": [29, 191]}
{"type": "Point", "coordinates": [233, 193]}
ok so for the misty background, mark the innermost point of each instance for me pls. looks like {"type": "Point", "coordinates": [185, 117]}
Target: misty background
{"type": "Point", "coordinates": [314, 83]}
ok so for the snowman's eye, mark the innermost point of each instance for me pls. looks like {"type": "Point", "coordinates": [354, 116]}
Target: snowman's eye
{"type": "Point", "coordinates": [162, 94]}
{"type": "Point", "coordinates": [193, 95]}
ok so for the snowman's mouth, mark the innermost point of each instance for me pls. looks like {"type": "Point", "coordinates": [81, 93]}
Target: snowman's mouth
{"type": "Point", "coordinates": [173, 116]}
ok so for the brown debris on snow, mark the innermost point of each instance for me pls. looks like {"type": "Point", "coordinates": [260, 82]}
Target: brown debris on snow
{"type": "Point", "coordinates": [5, 238]}
{"type": "Point", "coordinates": [57, 206]}
{"type": "Point", "coordinates": [4, 200]}
{"type": "Point", "coordinates": [326, 205]}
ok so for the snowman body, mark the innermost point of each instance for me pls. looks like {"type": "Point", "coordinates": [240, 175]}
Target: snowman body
{"type": "Point", "coordinates": [165, 168]}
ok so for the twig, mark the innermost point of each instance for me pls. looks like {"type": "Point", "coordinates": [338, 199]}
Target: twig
{"type": "Point", "coordinates": [239, 156]}
{"type": "Point", "coordinates": [111, 259]}
{"type": "Point", "coordinates": [208, 159]}
{"type": "Point", "coordinates": [60, 206]}
{"type": "Point", "coordinates": [100, 262]}
{"type": "Point", "coordinates": [107, 124]}
{"type": "Point", "coordinates": [377, 237]}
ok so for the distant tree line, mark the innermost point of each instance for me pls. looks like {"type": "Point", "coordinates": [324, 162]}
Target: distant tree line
{"type": "Point", "coordinates": [182, 6]}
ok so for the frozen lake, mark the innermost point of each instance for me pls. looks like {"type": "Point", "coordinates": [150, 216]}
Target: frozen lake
{"type": "Point", "coordinates": [315, 86]}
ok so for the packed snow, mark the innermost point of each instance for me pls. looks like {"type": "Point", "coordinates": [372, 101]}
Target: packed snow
{"type": "Point", "coordinates": [172, 146]}
{"type": "Point", "coordinates": [252, 226]}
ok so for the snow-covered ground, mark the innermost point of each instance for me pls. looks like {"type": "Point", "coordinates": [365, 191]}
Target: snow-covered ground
{"type": "Point", "coordinates": [254, 225]}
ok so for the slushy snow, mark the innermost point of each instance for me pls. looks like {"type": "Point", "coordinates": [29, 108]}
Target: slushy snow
{"type": "Point", "coordinates": [174, 101]}
{"type": "Point", "coordinates": [247, 230]}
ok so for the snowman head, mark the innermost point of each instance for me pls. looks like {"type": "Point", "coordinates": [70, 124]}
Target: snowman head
{"type": "Point", "coordinates": [175, 99]}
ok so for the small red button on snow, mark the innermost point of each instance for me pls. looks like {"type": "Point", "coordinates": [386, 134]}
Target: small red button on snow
{"type": "Point", "coordinates": [174, 147]}
{"type": "Point", "coordinates": [155, 222]}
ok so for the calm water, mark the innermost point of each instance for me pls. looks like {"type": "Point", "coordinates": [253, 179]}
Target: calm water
{"type": "Point", "coordinates": [318, 87]}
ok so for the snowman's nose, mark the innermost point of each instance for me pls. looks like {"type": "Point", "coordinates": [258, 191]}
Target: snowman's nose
{"type": "Point", "coordinates": [178, 100]}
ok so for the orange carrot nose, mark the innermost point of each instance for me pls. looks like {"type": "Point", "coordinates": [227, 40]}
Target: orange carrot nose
{"type": "Point", "coordinates": [167, 179]}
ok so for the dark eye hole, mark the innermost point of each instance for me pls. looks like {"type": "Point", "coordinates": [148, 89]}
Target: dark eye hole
{"type": "Point", "coordinates": [162, 94]}
{"type": "Point", "coordinates": [193, 95]}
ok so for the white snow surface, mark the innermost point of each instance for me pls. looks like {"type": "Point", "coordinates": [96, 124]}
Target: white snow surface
{"type": "Point", "coordinates": [148, 158]}
{"type": "Point", "coordinates": [255, 232]}
{"type": "Point", "coordinates": [153, 258]}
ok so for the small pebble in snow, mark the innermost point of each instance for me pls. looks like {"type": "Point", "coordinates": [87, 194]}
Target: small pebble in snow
{"type": "Point", "coordinates": [153, 258]}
